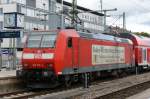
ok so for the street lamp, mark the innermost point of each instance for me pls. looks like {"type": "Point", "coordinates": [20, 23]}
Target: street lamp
{"type": "Point", "coordinates": [44, 16]}
{"type": "Point", "coordinates": [62, 15]}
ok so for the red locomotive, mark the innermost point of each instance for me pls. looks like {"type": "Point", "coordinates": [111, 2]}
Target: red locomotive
{"type": "Point", "coordinates": [51, 57]}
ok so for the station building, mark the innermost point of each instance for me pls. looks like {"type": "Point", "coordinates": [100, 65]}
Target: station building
{"type": "Point", "coordinates": [45, 15]}
{"type": "Point", "coordinates": [37, 16]}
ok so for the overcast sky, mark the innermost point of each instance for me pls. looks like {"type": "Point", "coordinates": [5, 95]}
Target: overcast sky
{"type": "Point", "coordinates": [137, 12]}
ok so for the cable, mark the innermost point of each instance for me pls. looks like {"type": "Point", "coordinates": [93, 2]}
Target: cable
{"type": "Point", "coordinates": [116, 20]}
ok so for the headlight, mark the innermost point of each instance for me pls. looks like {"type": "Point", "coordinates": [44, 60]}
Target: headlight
{"type": "Point", "coordinates": [49, 65]}
{"type": "Point", "coordinates": [25, 65]}
{"type": "Point", "coordinates": [45, 73]}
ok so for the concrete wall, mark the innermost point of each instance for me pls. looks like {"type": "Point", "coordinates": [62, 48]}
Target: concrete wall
{"type": "Point", "coordinates": [9, 7]}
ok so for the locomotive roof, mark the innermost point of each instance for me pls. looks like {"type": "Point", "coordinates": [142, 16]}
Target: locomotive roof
{"type": "Point", "coordinates": [101, 36]}
{"type": "Point", "coordinates": [137, 40]}
{"type": "Point", "coordinates": [98, 36]}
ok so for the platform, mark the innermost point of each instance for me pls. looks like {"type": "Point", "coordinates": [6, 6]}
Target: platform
{"type": "Point", "coordinates": [8, 81]}
{"type": "Point", "coordinates": [5, 74]}
{"type": "Point", "coordinates": [143, 95]}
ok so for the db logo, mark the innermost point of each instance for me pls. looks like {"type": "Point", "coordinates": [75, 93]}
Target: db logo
{"type": "Point", "coordinates": [38, 54]}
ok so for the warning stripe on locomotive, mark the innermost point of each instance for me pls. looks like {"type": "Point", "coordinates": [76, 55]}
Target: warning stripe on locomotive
{"type": "Point", "coordinates": [107, 54]}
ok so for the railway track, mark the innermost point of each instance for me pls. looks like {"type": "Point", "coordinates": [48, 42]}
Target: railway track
{"type": "Point", "coordinates": [127, 92]}
{"type": "Point", "coordinates": [114, 89]}
{"type": "Point", "coordinates": [13, 95]}
{"type": "Point", "coordinates": [104, 89]}
{"type": "Point", "coordinates": [22, 94]}
{"type": "Point", "coordinates": [25, 94]}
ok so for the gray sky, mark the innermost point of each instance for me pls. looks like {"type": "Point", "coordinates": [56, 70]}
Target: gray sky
{"type": "Point", "coordinates": [137, 12]}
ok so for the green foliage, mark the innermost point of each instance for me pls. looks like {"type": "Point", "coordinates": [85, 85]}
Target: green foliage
{"type": "Point", "coordinates": [145, 34]}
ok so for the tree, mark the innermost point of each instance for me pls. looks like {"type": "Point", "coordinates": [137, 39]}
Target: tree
{"type": "Point", "coordinates": [145, 34]}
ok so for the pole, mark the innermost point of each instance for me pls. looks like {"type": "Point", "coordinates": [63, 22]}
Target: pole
{"type": "Point", "coordinates": [45, 22]}
{"type": "Point", "coordinates": [101, 2]}
{"type": "Point", "coordinates": [10, 55]}
{"type": "Point", "coordinates": [136, 70]}
{"type": "Point", "coordinates": [0, 55]}
{"type": "Point", "coordinates": [14, 55]}
{"type": "Point", "coordinates": [104, 20]}
{"type": "Point", "coordinates": [86, 80]}
{"type": "Point", "coordinates": [74, 14]}
{"type": "Point", "coordinates": [62, 15]}
{"type": "Point", "coordinates": [44, 16]}
{"type": "Point", "coordinates": [105, 11]}
{"type": "Point", "coordinates": [124, 22]}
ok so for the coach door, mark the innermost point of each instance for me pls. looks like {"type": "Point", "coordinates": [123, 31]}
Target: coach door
{"type": "Point", "coordinates": [144, 55]}
{"type": "Point", "coordinates": [75, 53]}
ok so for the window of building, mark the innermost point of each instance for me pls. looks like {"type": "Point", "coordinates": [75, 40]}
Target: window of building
{"type": "Point", "coordinates": [21, 1]}
{"type": "Point", "coordinates": [53, 8]}
{"type": "Point", "coordinates": [31, 3]}
{"type": "Point", "coordinates": [40, 26]}
{"type": "Point", "coordinates": [23, 10]}
{"type": "Point", "coordinates": [1, 25]}
{"type": "Point", "coordinates": [27, 26]}
{"type": "Point", "coordinates": [43, 4]}
{"type": "Point", "coordinates": [30, 12]}
{"type": "Point", "coordinates": [41, 14]}
{"type": "Point", "coordinates": [47, 27]}
{"type": "Point", "coordinates": [85, 16]}
{"type": "Point", "coordinates": [1, 10]}
{"type": "Point", "coordinates": [5, 1]}
{"type": "Point", "coordinates": [90, 18]}
{"type": "Point", "coordinates": [34, 26]}
{"type": "Point", "coordinates": [19, 8]}
{"type": "Point", "coordinates": [58, 9]}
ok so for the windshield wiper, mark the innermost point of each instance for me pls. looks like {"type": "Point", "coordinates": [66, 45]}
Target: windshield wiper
{"type": "Point", "coordinates": [41, 41]}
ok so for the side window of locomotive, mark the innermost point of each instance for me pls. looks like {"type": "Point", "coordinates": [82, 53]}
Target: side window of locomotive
{"type": "Point", "coordinates": [69, 42]}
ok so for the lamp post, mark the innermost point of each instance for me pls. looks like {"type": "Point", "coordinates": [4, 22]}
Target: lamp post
{"type": "Point", "coordinates": [62, 15]}
{"type": "Point", "coordinates": [0, 55]}
{"type": "Point", "coordinates": [44, 17]}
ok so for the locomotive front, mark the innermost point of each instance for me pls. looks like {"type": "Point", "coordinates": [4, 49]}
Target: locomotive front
{"type": "Point", "coordinates": [38, 59]}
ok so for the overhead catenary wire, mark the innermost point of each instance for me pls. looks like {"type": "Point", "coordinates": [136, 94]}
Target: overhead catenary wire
{"type": "Point", "coordinates": [115, 20]}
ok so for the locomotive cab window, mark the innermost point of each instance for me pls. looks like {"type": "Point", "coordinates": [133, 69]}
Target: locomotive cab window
{"type": "Point", "coordinates": [69, 42]}
{"type": "Point", "coordinates": [48, 41]}
{"type": "Point", "coordinates": [41, 40]}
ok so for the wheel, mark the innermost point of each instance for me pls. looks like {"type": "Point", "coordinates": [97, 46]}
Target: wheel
{"type": "Point", "coordinates": [68, 81]}
{"type": "Point", "coordinates": [54, 82]}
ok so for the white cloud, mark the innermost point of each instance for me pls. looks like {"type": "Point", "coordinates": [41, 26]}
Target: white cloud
{"type": "Point", "coordinates": [138, 27]}
{"type": "Point", "coordinates": [137, 11]}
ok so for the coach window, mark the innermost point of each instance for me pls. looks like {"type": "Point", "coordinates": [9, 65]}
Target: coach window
{"type": "Point", "coordinates": [144, 54]}
{"type": "Point", "coordinates": [69, 42]}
